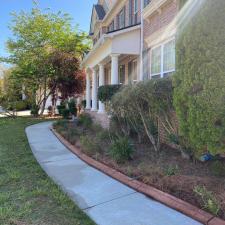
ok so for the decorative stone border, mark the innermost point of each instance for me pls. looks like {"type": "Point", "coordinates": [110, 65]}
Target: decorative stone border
{"type": "Point", "coordinates": [160, 196]}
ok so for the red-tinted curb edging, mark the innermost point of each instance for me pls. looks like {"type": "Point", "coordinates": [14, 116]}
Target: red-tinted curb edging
{"type": "Point", "coordinates": [165, 198]}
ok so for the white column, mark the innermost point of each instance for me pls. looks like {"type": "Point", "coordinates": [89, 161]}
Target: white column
{"type": "Point", "coordinates": [88, 91]}
{"type": "Point", "coordinates": [115, 69]}
{"type": "Point", "coordinates": [101, 83]}
{"type": "Point", "coordinates": [94, 91]}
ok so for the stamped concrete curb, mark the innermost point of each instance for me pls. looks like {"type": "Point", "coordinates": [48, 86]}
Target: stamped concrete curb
{"type": "Point", "coordinates": [167, 199]}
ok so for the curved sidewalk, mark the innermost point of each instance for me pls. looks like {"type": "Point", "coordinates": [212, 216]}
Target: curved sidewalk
{"type": "Point", "coordinates": [105, 200]}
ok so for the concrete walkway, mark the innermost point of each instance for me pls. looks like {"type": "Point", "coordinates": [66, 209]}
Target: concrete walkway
{"type": "Point", "coordinates": [105, 200]}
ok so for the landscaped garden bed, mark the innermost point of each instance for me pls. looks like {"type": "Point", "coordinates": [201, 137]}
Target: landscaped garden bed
{"type": "Point", "coordinates": [201, 184]}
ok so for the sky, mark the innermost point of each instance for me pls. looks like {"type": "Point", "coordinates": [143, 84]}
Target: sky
{"type": "Point", "coordinates": [79, 10]}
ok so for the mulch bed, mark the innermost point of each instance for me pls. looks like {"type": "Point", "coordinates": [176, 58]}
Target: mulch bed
{"type": "Point", "coordinates": [165, 170]}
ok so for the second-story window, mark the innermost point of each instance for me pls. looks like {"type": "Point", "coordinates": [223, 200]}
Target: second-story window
{"type": "Point", "coordinates": [135, 11]}
{"type": "Point", "coordinates": [121, 19]}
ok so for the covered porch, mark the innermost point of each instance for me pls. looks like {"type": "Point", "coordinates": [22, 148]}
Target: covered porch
{"type": "Point", "coordinates": [115, 59]}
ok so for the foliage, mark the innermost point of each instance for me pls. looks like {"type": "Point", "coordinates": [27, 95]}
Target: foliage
{"type": "Point", "coordinates": [10, 97]}
{"type": "Point", "coordinates": [121, 149]}
{"type": "Point", "coordinates": [182, 3]}
{"type": "Point", "coordinates": [218, 168]}
{"type": "Point", "coordinates": [72, 107]}
{"type": "Point", "coordinates": [65, 113]}
{"type": "Point", "coordinates": [61, 107]}
{"type": "Point", "coordinates": [68, 79]}
{"type": "Point", "coordinates": [41, 41]}
{"type": "Point", "coordinates": [21, 105]}
{"type": "Point", "coordinates": [34, 110]}
{"type": "Point", "coordinates": [199, 81]}
{"type": "Point", "coordinates": [106, 92]}
{"type": "Point", "coordinates": [141, 107]}
{"type": "Point", "coordinates": [171, 170]}
{"type": "Point", "coordinates": [85, 120]}
{"type": "Point", "coordinates": [210, 203]}
{"type": "Point", "coordinates": [89, 146]}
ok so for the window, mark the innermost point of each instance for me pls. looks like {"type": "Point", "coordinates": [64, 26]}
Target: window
{"type": "Point", "coordinates": [121, 19]}
{"type": "Point", "coordinates": [122, 74]}
{"type": "Point", "coordinates": [146, 2]}
{"type": "Point", "coordinates": [163, 60]}
{"type": "Point", "coordinates": [111, 27]}
{"type": "Point", "coordinates": [169, 56]}
{"type": "Point", "coordinates": [135, 11]}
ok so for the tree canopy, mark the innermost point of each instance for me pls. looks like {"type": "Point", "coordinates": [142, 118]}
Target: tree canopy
{"type": "Point", "coordinates": [37, 36]}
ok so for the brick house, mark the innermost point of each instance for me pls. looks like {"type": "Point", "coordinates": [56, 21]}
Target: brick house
{"type": "Point", "coordinates": [133, 40]}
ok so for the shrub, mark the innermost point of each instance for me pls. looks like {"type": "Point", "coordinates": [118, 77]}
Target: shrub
{"type": "Point", "coordinates": [20, 105]}
{"type": "Point", "coordinates": [106, 92]}
{"type": "Point", "coordinates": [171, 170]}
{"type": "Point", "coordinates": [85, 120]}
{"type": "Point", "coordinates": [200, 77]}
{"type": "Point", "coordinates": [89, 146]}
{"type": "Point", "coordinates": [218, 168]}
{"type": "Point", "coordinates": [209, 201]}
{"type": "Point", "coordinates": [72, 107]}
{"type": "Point", "coordinates": [34, 110]}
{"type": "Point", "coordinates": [61, 107]}
{"type": "Point", "coordinates": [65, 113]}
{"type": "Point", "coordinates": [121, 149]}
{"type": "Point", "coordinates": [141, 107]}
{"type": "Point", "coordinates": [61, 123]}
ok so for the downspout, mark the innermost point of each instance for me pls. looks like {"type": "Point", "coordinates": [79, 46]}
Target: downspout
{"type": "Point", "coordinates": [142, 42]}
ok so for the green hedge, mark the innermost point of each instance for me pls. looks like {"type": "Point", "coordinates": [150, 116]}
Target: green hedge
{"type": "Point", "coordinates": [199, 82]}
{"type": "Point", "coordinates": [106, 92]}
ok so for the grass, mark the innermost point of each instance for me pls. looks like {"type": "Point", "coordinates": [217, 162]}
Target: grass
{"type": "Point", "coordinates": [27, 195]}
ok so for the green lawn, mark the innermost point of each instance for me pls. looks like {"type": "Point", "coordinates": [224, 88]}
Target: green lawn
{"type": "Point", "coordinates": [27, 195]}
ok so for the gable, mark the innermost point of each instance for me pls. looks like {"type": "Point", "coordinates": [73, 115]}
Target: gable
{"type": "Point", "coordinates": [98, 14]}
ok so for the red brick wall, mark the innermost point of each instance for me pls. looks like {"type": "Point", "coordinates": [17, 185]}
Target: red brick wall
{"type": "Point", "coordinates": [161, 18]}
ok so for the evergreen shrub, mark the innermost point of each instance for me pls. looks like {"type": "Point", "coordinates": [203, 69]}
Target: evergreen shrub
{"type": "Point", "coordinates": [199, 81]}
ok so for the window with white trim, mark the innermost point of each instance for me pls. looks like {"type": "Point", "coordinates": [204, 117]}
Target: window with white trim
{"type": "Point", "coordinates": [163, 60]}
{"type": "Point", "coordinates": [121, 19]}
{"type": "Point", "coordinates": [135, 11]}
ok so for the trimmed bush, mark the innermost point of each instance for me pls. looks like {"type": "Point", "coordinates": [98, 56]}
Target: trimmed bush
{"type": "Point", "coordinates": [121, 149]}
{"type": "Point", "coordinates": [106, 92]}
{"type": "Point", "coordinates": [65, 113]}
{"type": "Point", "coordinates": [34, 110]}
{"type": "Point", "coordinates": [61, 107]}
{"type": "Point", "coordinates": [72, 107]}
{"type": "Point", "coordinates": [200, 79]}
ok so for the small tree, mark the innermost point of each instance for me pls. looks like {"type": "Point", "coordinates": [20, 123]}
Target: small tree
{"type": "Point", "coordinates": [200, 79]}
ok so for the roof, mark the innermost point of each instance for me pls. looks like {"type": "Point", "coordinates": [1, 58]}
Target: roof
{"type": "Point", "coordinates": [100, 11]}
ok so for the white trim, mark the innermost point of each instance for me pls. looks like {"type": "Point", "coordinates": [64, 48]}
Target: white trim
{"type": "Point", "coordinates": [162, 72]}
